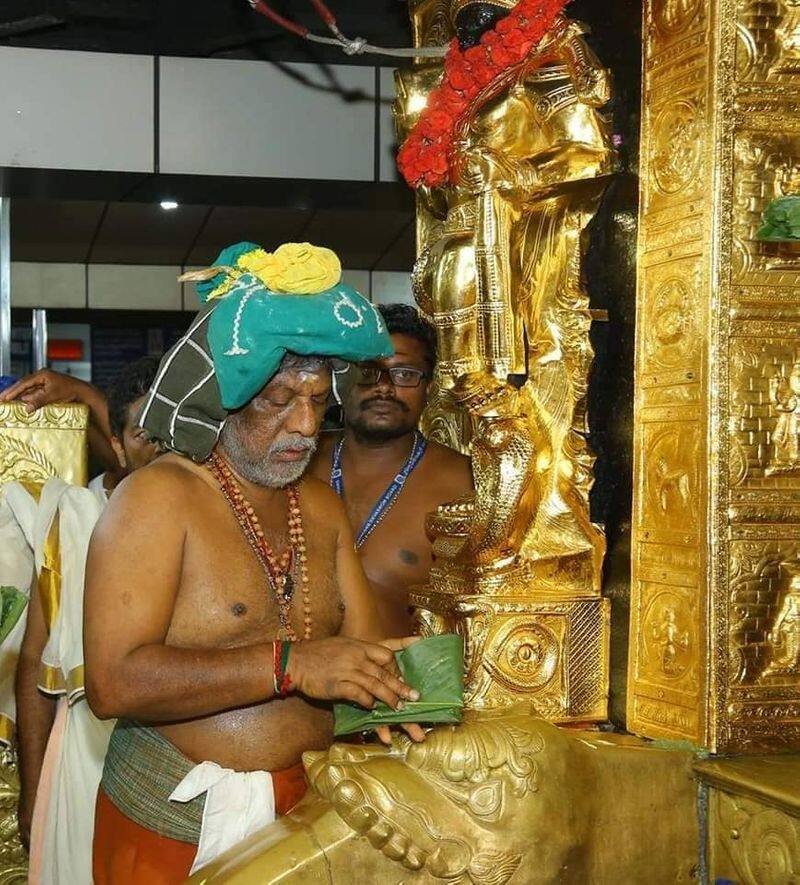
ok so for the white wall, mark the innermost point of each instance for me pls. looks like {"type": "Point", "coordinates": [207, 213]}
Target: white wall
{"type": "Point", "coordinates": [96, 111]}
{"type": "Point", "coordinates": [133, 287]}
{"type": "Point", "coordinates": [223, 117]}
{"type": "Point", "coordinates": [48, 285]}
{"type": "Point", "coordinates": [152, 287]}
{"type": "Point", "coordinates": [389, 287]}
{"type": "Point", "coordinates": [76, 110]}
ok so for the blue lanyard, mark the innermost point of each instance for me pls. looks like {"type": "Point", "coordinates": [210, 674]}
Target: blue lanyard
{"type": "Point", "coordinates": [394, 488]}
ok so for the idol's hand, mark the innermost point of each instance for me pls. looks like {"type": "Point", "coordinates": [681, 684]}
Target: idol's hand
{"type": "Point", "coordinates": [342, 669]}
{"type": "Point", "coordinates": [483, 169]}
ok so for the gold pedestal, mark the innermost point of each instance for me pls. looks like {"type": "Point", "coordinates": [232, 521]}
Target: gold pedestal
{"type": "Point", "coordinates": [503, 798]}
{"type": "Point", "coordinates": [551, 650]}
{"type": "Point", "coordinates": [753, 819]}
{"type": "Point", "coordinates": [13, 858]}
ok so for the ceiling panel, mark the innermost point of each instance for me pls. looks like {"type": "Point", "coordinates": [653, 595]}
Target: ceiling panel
{"type": "Point", "coordinates": [359, 237]}
{"type": "Point", "coordinates": [53, 230]}
{"type": "Point", "coordinates": [144, 233]}
{"type": "Point", "coordinates": [212, 27]}
{"type": "Point", "coordinates": [402, 253]}
{"type": "Point", "coordinates": [232, 224]}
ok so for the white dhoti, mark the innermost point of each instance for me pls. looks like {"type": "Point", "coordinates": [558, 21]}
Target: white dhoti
{"type": "Point", "coordinates": [61, 840]}
{"type": "Point", "coordinates": [237, 805]}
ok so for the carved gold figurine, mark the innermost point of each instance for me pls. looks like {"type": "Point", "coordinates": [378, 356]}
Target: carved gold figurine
{"type": "Point", "coordinates": [788, 34]}
{"type": "Point", "coordinates": [785, 395]}
{"type": "Point", "coordinates": [518, 566]}
{"type": "Point", "coordinates": [785, 633]}
{"type": "Point", "coordinates": [500, 278]}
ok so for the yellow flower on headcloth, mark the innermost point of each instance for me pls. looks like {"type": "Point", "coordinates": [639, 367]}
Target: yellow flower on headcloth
{"type": "Point", "coordinates": [302, 269]}
{"type": "Point", "coordinates": [293, 268]}
{"type": "Point", "coordinates": [259, 262]}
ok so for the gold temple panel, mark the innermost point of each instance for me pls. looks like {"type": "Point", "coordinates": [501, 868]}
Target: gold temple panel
{"type": "Point", "coordinates": [49, 442]}
{"type": "Point", "coordinates": [753, 834]}
{"type": "Point", "coordinates": [715, 614]}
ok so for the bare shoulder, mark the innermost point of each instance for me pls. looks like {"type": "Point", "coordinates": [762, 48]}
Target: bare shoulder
{"type": "Point", "coordinates": [321, 463]}
{"type": "Point", "coordinates": [167, 476]}
{"type": "Point", "coordinates": [320, 498]}
{"type": "Point", "coordinates": [162, 490]}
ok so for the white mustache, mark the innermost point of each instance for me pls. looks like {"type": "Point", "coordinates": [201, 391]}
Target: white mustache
{"type": "Point", "coordinates": [302, 443]}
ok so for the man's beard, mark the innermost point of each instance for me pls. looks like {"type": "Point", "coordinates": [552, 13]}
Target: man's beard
{"type": "Point", "coordinates": [358, 421]}
{"type": "Point", "coordinates": [261, 469]}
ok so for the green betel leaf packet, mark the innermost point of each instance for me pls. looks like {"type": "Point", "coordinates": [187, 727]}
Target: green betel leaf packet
{"type": "Point", "coordinates": [13, 604]}
{"type": "Point", "coordinates": [435, 668]}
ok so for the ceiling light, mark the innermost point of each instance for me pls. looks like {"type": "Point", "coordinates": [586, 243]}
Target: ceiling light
{"type": "Point", "coordinates": [169, 204]}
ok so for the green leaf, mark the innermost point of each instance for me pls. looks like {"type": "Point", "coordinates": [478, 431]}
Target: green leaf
{"type": "Point", "coordinates": [781, 220]}
{"type": "Point", "coordinates": [435, 668]}
{"type": "Point", "coordinates": [793, 213]}
{"type": "Point", "coordinates": [13, 603]}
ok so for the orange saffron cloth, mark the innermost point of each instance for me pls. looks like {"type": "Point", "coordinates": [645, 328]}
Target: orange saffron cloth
{"type": "Point", "coordinates": [128, 854]}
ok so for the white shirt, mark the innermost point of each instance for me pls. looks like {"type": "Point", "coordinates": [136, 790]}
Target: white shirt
{"type": "Point", "coordinates": [98, 489]}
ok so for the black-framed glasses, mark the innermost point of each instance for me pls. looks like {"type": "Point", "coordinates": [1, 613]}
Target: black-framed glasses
{"type": "Point", "coordinates": [400, 376]}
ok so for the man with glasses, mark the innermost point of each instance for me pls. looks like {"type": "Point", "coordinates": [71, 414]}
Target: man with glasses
{"type": "Point", "coordinates": [387, 473]}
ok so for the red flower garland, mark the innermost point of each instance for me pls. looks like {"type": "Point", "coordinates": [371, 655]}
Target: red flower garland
{"type": "Point", "coordinates": [425, 155]}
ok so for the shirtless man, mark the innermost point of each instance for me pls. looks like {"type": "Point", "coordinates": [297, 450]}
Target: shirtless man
{"type": "Point", "coordinates": [382, 409]}
{"type": "Point", "coordinates": [185, 598]}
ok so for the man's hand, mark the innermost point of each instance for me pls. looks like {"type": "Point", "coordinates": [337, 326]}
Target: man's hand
{"type": "Point", "coordinates": [345, 669]}
{"type": "Point", "coordinates": [45, 387]}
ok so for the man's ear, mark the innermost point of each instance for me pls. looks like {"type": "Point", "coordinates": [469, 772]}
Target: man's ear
{"type": "Point", "coordinates": [119, 451]}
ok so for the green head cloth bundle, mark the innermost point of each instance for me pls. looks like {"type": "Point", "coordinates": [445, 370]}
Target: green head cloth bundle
{"type": "Point", "coordinates": [257, 306]}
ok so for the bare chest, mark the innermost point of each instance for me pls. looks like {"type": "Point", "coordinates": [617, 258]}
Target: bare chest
{"type": "Point", "coordinates": [225, 598]}
{"type": "Point", "coordinates": [396, 554]}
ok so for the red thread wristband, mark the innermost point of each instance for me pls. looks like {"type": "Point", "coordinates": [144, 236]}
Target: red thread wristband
{"type": "Point", "coordinates": [286, 685]}
{"type": "Point", "coordinates": [281, 681]}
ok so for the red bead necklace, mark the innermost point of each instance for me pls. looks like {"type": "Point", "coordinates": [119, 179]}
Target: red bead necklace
{"type": "Point", "coordinates": [279, 572]}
